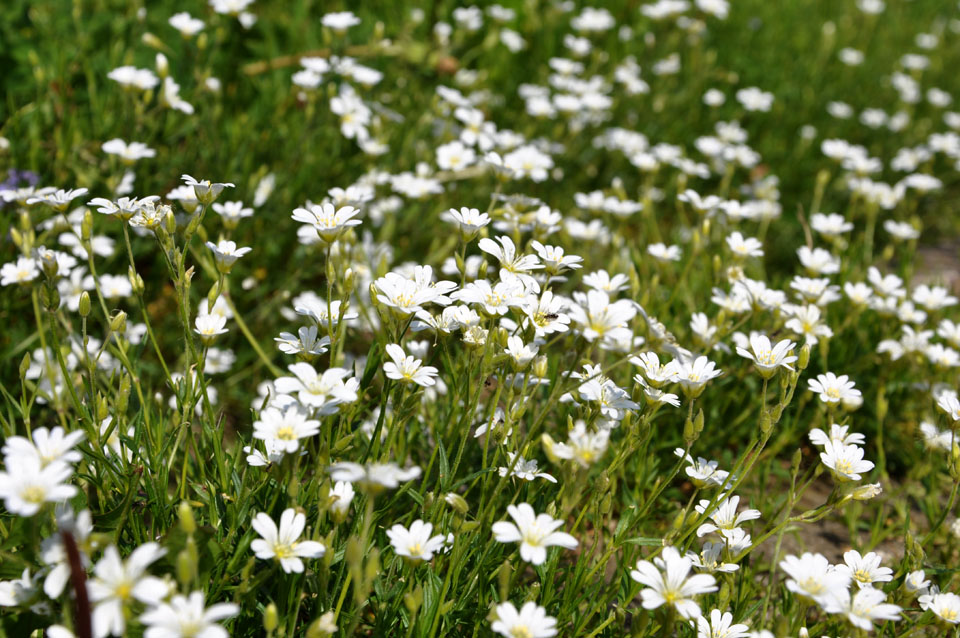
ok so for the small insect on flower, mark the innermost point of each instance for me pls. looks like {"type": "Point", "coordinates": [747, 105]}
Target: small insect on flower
{"type": "Point", "coordinates": [283, 543]}
{"type": "Point", "coordinates": [535, 532]}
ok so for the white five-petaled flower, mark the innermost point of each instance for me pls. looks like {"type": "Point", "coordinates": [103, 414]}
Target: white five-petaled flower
{"type": "Point", "coordinates": [283, 543]}
{"type": "Point", "coordinates": [407, 369]}
{"type": "Point", "coordinates": [374, 477]}
{"type": "Point", "coordinates": [226, 254]}
{"type": "Point", "coordinates": [768, 357]}
{"type": "Point", "coordinates": [305, 342]}
{"type": "Point", "coordinates": [667, 583]}
{"type": "Point", "coordinates": [116, 583]}
{"type": "Point", "coordinates": [865, 570]}
{"type": "Point", "coordinates": [415, 544]}
{"type": "Point", "coordinates": [187, 617]}
{"type": "Point", "coordinates": [209, 327]}
{"type": "Point", "coordinates": [328, 221]}
{"type": "Point", "coordinates": [285, 428]}
{"type": "Point", "coordinates": [865, 607]}
{"type": "Point", "coordinates": [834, 389]}
{"type": "Point", "coordinates": [469, 221]}
{"type": "Point", "coordinates": [23, 270]}
{"type": "Point", "coordinates": [531, 621]}
{"type": "Point", "coordinates": [720, 625]}
{"type": "Point", "coordinates": [27, 484]}
{"type": "Point", "coordinates": [812, 577]}
{"type": "Point", "coordinates": [324, 392]}
{"type": "Point", "coordinates": [535, 532]}
{"type": "Point", "coordinates": [205, 190]}
{"type": "Point", "coordinates": [845, 461]}
{"type": "Point", "coordinates": [743, 247]}
{"type": "Point", "coordinates": [128, 152]}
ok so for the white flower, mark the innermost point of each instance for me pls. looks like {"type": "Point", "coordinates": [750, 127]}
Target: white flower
{"type": "Point", "coordinates": [187, 617]}
{"type": "Point", "coordinates": [535, 532]}
{"type": "Point", "coordinates": [209, 327]}
{"type": "Point", "coordinates": [24, 270]}
{"type": "Point", "coordinates": [374, 477]}
{"type": "Point", "coordinates": [341, 495]}
{"type": "Point", "coordinates": [838, 435]}
{"type": "Point", "coordinates": [766, 357]}
{"type": "Point", "coordinates": [866, 607]}
{"type": "Point", "coordinates": [204, 190]}
{"type": "Point", "coordinates": [524, 469]}
{"type": "Point", "coordinates": [282, 544]}
{"type": "Point", "coordinates": [521, 354]}
{"type": "Point", "coordinates": [128, 152]}
{"type": "Point", "coordinates": [865, 570]}
{"type": "Point", "coordinates": [833, 389]}
{"type": "Point", "coordinates": [285, 428]}
{"type": "Point", "coordinates": [226, 254]}
{"type": "Point", "coordinates": [117, 583]}
{"type": "Point", "coordinates": [469, 221]}
{"type": "Point", "coordinates": [724, 516]}
{"type": "Point", "coordinates": [662, 252]}
{"type": "Point", "coordinates": [812, 576]}
{"type": "Point", "coordinates": [743, 247]}
{"type": "Point", "coordinates": [709, 559]}
{"type": "Point", "coordinates": [407, 369]}
{"type": "Point", "coordinates": [667, 583]}
{"type": "Point", "coordinates": [946, 606]}
{"type": "Point", "coordinates": [845, 461]}
{"type": "Point", "coordinates": [304, 342]}
{"type": "Point", "coordinates": [324, 392]}
{"type": "Point", "coordinates": [47, 446]}
{"type": "Point", "coordinates": [328, 221]}
{"type": "Point", "coordinates": [693, 375]}
{"type": "Point", "coordinates": [531, 621]}
{"type": "Point", "coordinates": [720, 625]}
{"type": "Point", "coordinates": [916, 582]}
{"type": "Point", "coordinates": [415, 544]}
{"type": "Point", "coordinates": [340, 20]}
{"type": "Point", "coordinates": [27, 484]}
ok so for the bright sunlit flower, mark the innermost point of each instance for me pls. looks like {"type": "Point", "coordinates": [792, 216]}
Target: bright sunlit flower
{"type": "Point", "coordinates": [283, 544]}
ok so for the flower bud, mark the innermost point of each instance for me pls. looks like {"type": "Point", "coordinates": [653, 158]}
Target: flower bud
{"type": "Point", "coordinates": [457, 502]}
{"type": "Point", "coordinates": [84, 306]}
{"type": "Point", "coordinates": [136, 281]}
{"type": "Point", "coordinates": [187, 523]}
{"type": "Point", "coordinates": [271, 618]}
{"type": "Point", "coordinates": [118, 323]}
{"type": "Point", "coordinates": [803, 359]}
{"type": "Point", "coordinates": [322, 627]}
{"type": "Point", "coordinates": [86, 226]}
{"type": "Point", "coordinates": [24, 366]}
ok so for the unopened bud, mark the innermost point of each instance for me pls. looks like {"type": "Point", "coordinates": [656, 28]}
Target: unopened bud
{"type": "Point", "coordinates": [457, 502]}
{"type": "Point", "coordinates": [803, 358]}
{"type": "Point", "coordinates": [86, 226]}
{"type": "Point", "coordinates": [271, 618]}
{"type": "Point", "coordinates": [539, 368]}
{"type": "Point", "coordinates": [136, 281]}
{"type": "Point", "coordinates": [118, 323]}
{"type": "Point", "coordinates": [24, 366]}
{"type": "Point", "coordinates": [187, 523]}
{"type": "Point", "coordinates": [84, 305]}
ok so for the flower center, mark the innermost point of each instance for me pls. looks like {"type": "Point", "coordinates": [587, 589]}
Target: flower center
{"type": "Point", "coordinates": [34, 494]}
